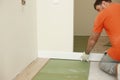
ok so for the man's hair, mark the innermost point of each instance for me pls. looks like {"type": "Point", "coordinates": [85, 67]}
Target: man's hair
{"type": "Point", "coordinates": [99, 2]}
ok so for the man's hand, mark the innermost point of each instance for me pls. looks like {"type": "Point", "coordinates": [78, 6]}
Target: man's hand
{"type": "Point", "coordinates": [85, 57]}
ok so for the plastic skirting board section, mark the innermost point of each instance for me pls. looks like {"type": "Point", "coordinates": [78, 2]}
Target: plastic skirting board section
{"type": "Point", "coordinates": [69, 55]}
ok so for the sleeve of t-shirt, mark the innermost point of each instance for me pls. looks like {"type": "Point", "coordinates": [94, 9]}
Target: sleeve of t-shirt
{"type": "Point", "coordinates": [99, 23]}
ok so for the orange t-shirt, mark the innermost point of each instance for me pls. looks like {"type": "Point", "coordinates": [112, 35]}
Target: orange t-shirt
{"type": "Point", "coordinates": [109, 19]}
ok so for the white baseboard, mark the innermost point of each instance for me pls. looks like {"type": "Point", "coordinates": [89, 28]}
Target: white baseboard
{"type": "Point", "coordinates": [68, 55]}
{"type": "Point", "coordinates": [118, 75]}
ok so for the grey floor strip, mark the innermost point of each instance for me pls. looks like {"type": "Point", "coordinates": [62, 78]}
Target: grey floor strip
{"type": "Point", "coordinates": [96, 74]}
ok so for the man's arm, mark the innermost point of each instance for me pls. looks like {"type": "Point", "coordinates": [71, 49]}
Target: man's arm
{"type": "Point", "coordinates": [92, 41]}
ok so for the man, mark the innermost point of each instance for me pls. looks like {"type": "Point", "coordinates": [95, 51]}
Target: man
{"type": "Point", "coordinates": [108, 18]}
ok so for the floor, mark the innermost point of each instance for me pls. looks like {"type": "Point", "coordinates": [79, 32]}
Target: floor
{"type": "Point", "coordinates": [80, 43]}
{"type": "Point", "coordinates": [94, 72]}
{"type": "Point", "coordinates": [32, 69]}
{"type": "Point", "coordinates": [64, 70]}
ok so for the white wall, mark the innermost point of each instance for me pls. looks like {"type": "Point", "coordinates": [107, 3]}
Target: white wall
{"type": "Point", "coordinates": [18, 36]}
{"type": "Point", "coordinates": [55, 25]}
{"type": "Point", "coordinates": [116, 1]}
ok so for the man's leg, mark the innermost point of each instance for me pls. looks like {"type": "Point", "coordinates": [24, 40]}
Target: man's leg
{"type": "Point", "coordinates": [108, 65]}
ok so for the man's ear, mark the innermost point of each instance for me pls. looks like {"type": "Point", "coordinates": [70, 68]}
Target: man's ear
{"type": "Point", "coordinates": [103, 3]}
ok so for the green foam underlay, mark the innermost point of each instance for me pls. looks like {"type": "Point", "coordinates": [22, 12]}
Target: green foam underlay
{"type": "Point", "coordinates": [57, 69]}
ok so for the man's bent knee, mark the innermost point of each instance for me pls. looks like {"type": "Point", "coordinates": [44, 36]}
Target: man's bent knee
{"type": "Point", "coordinates": [107, 67]}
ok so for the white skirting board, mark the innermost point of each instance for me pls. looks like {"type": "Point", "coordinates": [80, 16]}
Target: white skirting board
{"type": "Point", "coordinates": [118, 71]}
{"type": "Point", "coordinates": [68, 55]}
